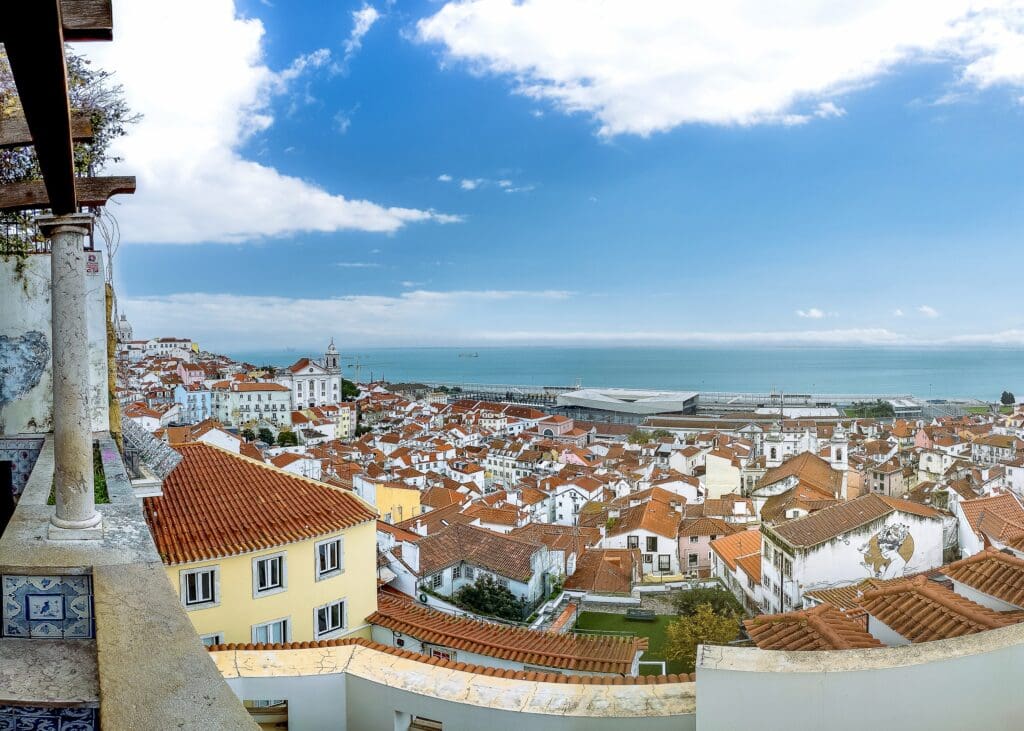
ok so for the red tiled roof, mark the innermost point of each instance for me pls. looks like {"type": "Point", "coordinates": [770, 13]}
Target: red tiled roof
{"type": "Point", "coordinates": [991, 572]}
{"type": "Point", "coordinates": [743, 543]}
{"type": "Point", "coordinates": [216, 503]}
{"type": "Point", "coordinates": [531, 675]}
{"type": "Point", "coordinates": [506, 556]}
{"type": "Point", "coordinates": [606, 654]}
{"type": "Point", "coordinates": [826, 524]}
{"type": "Point", "coordinates": [608, 570]}
{"type": "Point", "coordinates": [821, 628]}
{"type": "Point", "coordinates": [922, 610]}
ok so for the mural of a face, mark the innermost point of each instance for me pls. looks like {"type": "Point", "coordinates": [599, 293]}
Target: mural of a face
{"type": "Point", "coordinates": [887, 553]}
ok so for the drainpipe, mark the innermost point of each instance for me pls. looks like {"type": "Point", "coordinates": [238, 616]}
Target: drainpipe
{"type": "Point", "coordinates": [75, 517]}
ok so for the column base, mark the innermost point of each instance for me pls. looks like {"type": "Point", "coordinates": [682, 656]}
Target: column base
{"type": "Point", "coordinates": [71, 531]}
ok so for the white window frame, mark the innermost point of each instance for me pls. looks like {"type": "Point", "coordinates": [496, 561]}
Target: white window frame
{"type": "Point", "coordinates": [214, 601]}
{"type": "Point", "coordinates": [333, 632]}
{"type": "Point", "coordinates": [270, 590]}
{"type": "Point", "coordinates": [286, 635]}
{"type": "Point", "coordinates": [340, 568]}
{"type": "Point", "coordinates": [214, 638]}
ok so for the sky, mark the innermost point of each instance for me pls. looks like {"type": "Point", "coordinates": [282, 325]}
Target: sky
{"type": "Point", "coordinates": [560, 172]}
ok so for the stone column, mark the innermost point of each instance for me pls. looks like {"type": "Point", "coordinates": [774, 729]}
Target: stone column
{"type": "Point", "coordinates": [76, 516]}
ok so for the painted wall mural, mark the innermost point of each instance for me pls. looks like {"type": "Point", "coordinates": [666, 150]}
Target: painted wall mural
{"type": "Point", "coordinates": [22, 362]}
{"type": "Point", "coordinates": [887, 553]}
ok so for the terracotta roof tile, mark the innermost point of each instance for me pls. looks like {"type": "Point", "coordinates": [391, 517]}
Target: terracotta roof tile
{"type": "Point", "coordinates": [606, 654]}
{"type": "Point", "coordinates": [833, 521]}
{"type": "Point", "coordinates": [510, 557]}
{"type": "Point", "coordinates": [991, 572]}
{"type": "Point", "coordinates": [464, 667]}
{"type": "Point", "coordinates": [743, 543]}
{"type": "Point", "coordinates": [609, 570]}
{"type": "Point", "coordinates": [820, 628]}
{"type": "Point", "coordinates": [921, 611]}
{"type": "Point", "coordinates": [216, 503]}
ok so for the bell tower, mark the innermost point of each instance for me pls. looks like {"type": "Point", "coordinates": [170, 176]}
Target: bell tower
{"type": "Point", "coordinates": [331, 358]}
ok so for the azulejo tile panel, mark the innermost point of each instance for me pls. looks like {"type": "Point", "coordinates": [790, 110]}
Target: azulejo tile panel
{"type": "Point", "coordinates": [47, 607]}
{"type": "Point", "coordinates": [38, 718]}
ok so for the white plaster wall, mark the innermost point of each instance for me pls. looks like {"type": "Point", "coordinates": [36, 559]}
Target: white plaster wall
{"type": "Point", "coordinates": [948, 685]}
{"type": "Point", "coordinates": [24, 307]}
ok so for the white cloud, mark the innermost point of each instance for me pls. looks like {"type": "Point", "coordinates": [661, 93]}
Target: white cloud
{"type": "Point", "coordinates": [362, 20]}
{"type": "Point", "coordinates": [342, 121]}
{"type": "Point", "coordinates": [229, 321]}
{"type": "Point", "coordinates": [814, 313]}
{"type": "Point", "coordinates": [897, 312]}
{"type": "Point", "coordinates": [471, 183]}
{"type": "Point", "coordinates": [357, 264]}
{"type": "Point", "coordinates": [418, 316]}
{"type": "Point", "coordinates": [646, 68]}
{"type": "Point", "coordinates": [444, 178]}
{"type": "Point", "coordinates": [928, 311]}
{"type": "Point", "coordinates": [409, 284]}
{"type": "Point", "coordinates": [200, 104]}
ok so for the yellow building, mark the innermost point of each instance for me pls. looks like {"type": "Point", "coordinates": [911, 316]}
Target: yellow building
{"type": "Point", "coordinates": [258, 554]}
{"type": "Point", "coordinates": [395, 501]}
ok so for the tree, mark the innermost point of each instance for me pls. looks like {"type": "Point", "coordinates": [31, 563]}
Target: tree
{"type": "Point", "coordinates": [1007, 399]}
{"type": "Point", "coordinates": [639, 436]}
{"type": "Point", "coordinates": [721, 601]}
{"type": "Point", "coordinates": [266, 435]}
{"type": "Point", "coordinates": [487, 596]}
{"type": "Point", "coordinates": [871, 410]}
{"type": "Point", "coordinates": [703, 627]}
{"type": "Point", "coordinates": [287, 439]}
{"type": "Point", "coordinates": [90, 90]}
{"type": "Point", "coordinates": [248, 435]}
{"type": "Point", "coordinates": [660, 434]}
{"type": "Point", "coordinates": [349, 390]}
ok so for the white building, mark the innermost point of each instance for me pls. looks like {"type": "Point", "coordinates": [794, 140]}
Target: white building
{"type": "Point", "coordinates": [237, 403]}
{"type": "Point", "coordinates": [314, 382]}
{"type": "Point", "coordinates": [873, 536]}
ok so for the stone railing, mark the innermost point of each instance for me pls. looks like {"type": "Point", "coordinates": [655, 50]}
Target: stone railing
{"type": "Point", "coordinates": [93, 632]}
{"type": "Point", "coordinates": [364, 686]}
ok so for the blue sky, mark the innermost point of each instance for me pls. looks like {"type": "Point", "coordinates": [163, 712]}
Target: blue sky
{"type": "Point", "coordinates": [810, 179]}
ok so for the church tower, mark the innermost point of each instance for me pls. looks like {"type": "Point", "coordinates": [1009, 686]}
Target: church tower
{"type": "Point", "coordinates": [331, 358]}
{"type": "Point", "coordinates": [839, 455]}
{"type": "Point", "coordinates": [773, 447]}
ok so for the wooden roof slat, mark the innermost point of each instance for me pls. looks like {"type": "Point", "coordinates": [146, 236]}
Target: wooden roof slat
{"type": "Point", "coordinates": [34, 43]}
{"type": "Point", "coordinates": [87, 20]}
{"type": "Point", "coordinates": [91, 192]}
{"type": "Point", "coordinates": [14, 131]}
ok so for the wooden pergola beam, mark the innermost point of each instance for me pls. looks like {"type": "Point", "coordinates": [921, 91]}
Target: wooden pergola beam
{"type": "Point", "coordinates": [14, 131]}
{"type": "Point", "coordinates": [87, 20]}
{"type": "Point", "coordinates": [91, 192]}
{"type": "Point", "coordinates": [34, 42]}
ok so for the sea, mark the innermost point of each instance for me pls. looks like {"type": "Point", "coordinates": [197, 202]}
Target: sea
{"type": "Point", "coordinates": [926, 373]}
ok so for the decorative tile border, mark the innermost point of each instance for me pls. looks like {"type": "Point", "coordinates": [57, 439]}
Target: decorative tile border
{"type": "Point", "coordinates": [22, 453]}
{"type": "Point", "coordinates": [48, 607]}
{"type": "Point", "coordinates": [38, 718]}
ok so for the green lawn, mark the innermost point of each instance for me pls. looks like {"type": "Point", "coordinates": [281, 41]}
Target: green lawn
{"type": "Point", "coordinates": [653, 631]}
{"type": "Point", "coordinates": [985, 409]}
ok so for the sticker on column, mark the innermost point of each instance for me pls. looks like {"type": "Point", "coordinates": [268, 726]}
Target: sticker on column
{"type": "Point", "coordinates": [92, 262]}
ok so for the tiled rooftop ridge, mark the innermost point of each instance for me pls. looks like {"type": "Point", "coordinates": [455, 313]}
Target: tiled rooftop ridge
{"type": "Point", "coordinates": [538, 677]}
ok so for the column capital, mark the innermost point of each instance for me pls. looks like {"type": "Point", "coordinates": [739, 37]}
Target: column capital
{"type": "Point", "coordinates": [76, 222]}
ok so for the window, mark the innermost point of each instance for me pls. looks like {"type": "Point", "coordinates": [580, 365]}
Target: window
{"type": "Point", "coordinates": [631, 541]}
{"type": "Point", "coordinates": [217, 638]}
{"type": "Point", "coordinates": [435, 583]}
{"type": "Point", "coordinates": [329, 558]}
{"type": "Point", "coordinates": [199, 587]}
{"type": "Point", "coordinates": [665, 562]}
{"type": "Point", "coordinates": [456, 572]}
{"type": "Point", "coordinates": [694, 539]}
{"type": "Point", "coordinates": [652, 543]}
{"type": "Point", "coordinates": [330, 618]}
{"type": "Point", "coordinates": [469, 572]}
{"type": "Point", "coordinates": [501, 581]}
{"type": "Point", "coordinates": [648, 558]}
{"type": "Point", "coordinates": [268, 575]}
{"type": "Point", "coordinates": [691, 559]}
{"type": "Point", "coordinates": [443, 653]}
{"type": "Point", "coordinates": [270, 632]}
